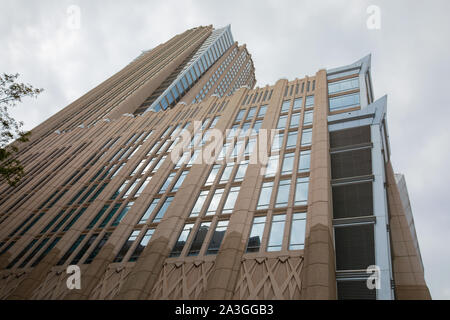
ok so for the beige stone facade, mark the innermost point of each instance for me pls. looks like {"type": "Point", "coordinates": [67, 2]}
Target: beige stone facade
{"type": "Point", "coordinates": [108, 197]}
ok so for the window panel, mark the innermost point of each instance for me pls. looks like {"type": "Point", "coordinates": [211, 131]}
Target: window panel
{"type": "Point", "coordinates": [231, 200]}
{"type": "Point", "coordinates": [285, 106]}
{"type": "Point", "coordinates": [262, 111]}
{"type": "Point", "coordinates": [264, 196]}
{"type": "Point", "coordinates": [199, 238]}
{"type": "Point", "coordinates": [212, 175]}
{"type": "Point", "coordinates": [149, 211]}
{"type": "Point", "coordinates": [217, 237]}
{"type": "Point", "coordinates": [343, 85]}
{"type": "Point", "coordinates": [180, 181]}
{"type": "Point", "coordinates": [227, 173]}
{"type": "Point", "coordinates": [308, 119]}
{"type": "Point", "coordinates": [282, 122]}
{"type": "Point", "coordinates": [126, 246]}
{"type": "Point", "coordinates": [272, 166]}
{"type": "Point", "coordinates": [256, 233]}
{"type": "Point", "coordinates": [283, 193]}
{"type": "Point", "coordinates": [295, 120]}
{"type": "Point", "coordinates": [179, 245]}
{"type": "Point", "coordinates": [214, 204]}
{"type": "Point", "coordinates": [240, 174]}
{"type": "Point", "coordinates": [309, 101]}
{"type": "Point", "coordinates": [304, 161]}
{"type": "Point", "coordinates": [291, 140]}
{"type": "Point", "coordinates": [199, 203]}
{"type": "Point", "coordinates": [298, 104]}
{"type": "Point", "coordinates": [163, 209]}
{"type": "Point", "coordinates": [297, 238]}
{"type": "Point", "coordinates": [306, 137]}
{"type": "Point", "coordinates": [346, 101]}
{"type": "Point", "coordinates": [301, 191]}
{"type": "Point", "coordinates": [276, 233]}
{"type": "Point", "coordinates": [288, 163]}
{"type": "Point", "coordinates": [142, 244]}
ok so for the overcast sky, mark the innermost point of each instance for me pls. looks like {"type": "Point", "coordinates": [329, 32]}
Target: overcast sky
{"type": "Point", "coordinates": [287, 39]}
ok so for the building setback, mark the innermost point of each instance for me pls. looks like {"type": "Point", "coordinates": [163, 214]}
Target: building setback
{"type": "Point", "coordinates": [177, 179]}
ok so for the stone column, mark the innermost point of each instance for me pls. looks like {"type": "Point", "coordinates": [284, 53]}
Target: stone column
{"type": "Point", "coordinates": [318, 276]}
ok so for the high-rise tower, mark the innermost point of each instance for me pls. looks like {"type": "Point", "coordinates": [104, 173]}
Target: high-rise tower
{"type": "Point", "coordinates": [176, 179]}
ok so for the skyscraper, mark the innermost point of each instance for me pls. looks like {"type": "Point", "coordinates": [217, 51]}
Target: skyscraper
{"type": "Point", "coordinates": [177, 179]}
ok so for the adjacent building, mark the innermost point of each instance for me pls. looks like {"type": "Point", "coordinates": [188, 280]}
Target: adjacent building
{"type": "Point", "coordinates": [176, 178]}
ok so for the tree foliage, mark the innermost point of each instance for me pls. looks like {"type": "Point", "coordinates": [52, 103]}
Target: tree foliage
{"type": "Point", "coordinates": [11, 132]}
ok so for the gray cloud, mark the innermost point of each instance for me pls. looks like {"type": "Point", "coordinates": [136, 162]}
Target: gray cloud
{"type": "Point", "coordinates": [287, 39]}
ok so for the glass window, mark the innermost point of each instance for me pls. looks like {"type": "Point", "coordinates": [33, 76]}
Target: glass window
{"type": "Point", "coordinates": [283, 193]}
{"type": "Point", "coordinates": [240, 115]}
{"type": "Point", "coordinates": [131, 188]}
{"type": "Point", "coordinates": [282, 122]}
{"type": "Point", "coordinates": [343, 74]}
{"type": "Point", "coordinates": [257, 126]}
{"type": "Point", "coordinates": [158, 165]}
{"type": "Point", "coordinates": [298, 104]}
{"type": "Point", "coordinates": [304, 161]}
{"type": "Point", "coordinates": [212, 175]}
{"type": "Point", "coordinates": [285, 106]}
{"type": "Point", "coordinates": [250, 147]}
{"type": "Point", "coordinates": [163, 209]}
{"type": "Point", "coordinates": [240, 174]}
{"type": "Point", "coordinates": [295, 120]}
{"type": "Point", "coordinates": [309, 101]}
{"type": "Point", "coordinates": [301, 191]}
{"type": "Point", "coordinates": [126, 246]}
{"type": "Point", "coordinates": [167, 183]}
{"type": "Point", "coordinates": [291, 140]}
{"type": "Point", "coordinates": [276, 233]}
{"type": "Point", "coordinates": [262, 111]}
{"type": "Point", "coordinates": [84, 248]}
{"type": "Point", "coordinates": [308, 119]}
{"type": "Point", "coordinates": [227, 173]}
{"type": "Point", "coordinates": [231, 200]}
{"type": "Point", "coordinates": [97, 248]}
{"type": "Point", "coordinates": [256, 233]}
{"type": "Point", "coordinates": [71, 250]}
{"type": "Point", "coordinates": [199, 238]}
{"type": "Point", "coordinates": [143, 186]}
{"type": "Point", "coordinates": [119, 190]}
{"type": "Point", "coordinates": [343, 85]}
{"type": "Point", "coordinates": [238, 149]}
{"type": "Point", "coordinates": [180, 181]}
{"type": "Point", "coordinates": [297, 239]}
{"type": "Point", "coordinates": [199, 203]}
{"type": "Point", "coordinates": [214, 204]}
{"type": "Point", "coordinates": [346, 101]}
{"type": "Point", "coordinates": [272, 166]}
{"type": "Point", "coordinates": [98, 216]}
{"type": "Point", "coordinates": [217, 237]}
{"type": "Point", "coordinates": [142, 244]}
{"type": "Point", "coordinates": [183, 159]}
{"type": "Point", "coordinates": [111, 214]}
{"type": "Point", "coordinates": [149, 211]}
{"type": "Point", "coordinates": [306, 137]}
{"type": "Point", "coordinates": [251, 113]}
{"type": "Point", "coordinates": [264, 196]}
{"type": "Point", "coordinates": [223, 153]}
{"type": "Point", "coordinates": [245, 129]}
{"type": "Point", "coordinates": [122, 214]}
{"type": "Point", "coordinates": [288, 163]}
{"type": "Point", "coordinates": [179, 245]}
{"type": "Point", "coordinates": [138, 167]}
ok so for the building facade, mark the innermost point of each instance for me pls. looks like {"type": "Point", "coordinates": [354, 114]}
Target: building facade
{"type": "Point", "coordinates": [177, 179]}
